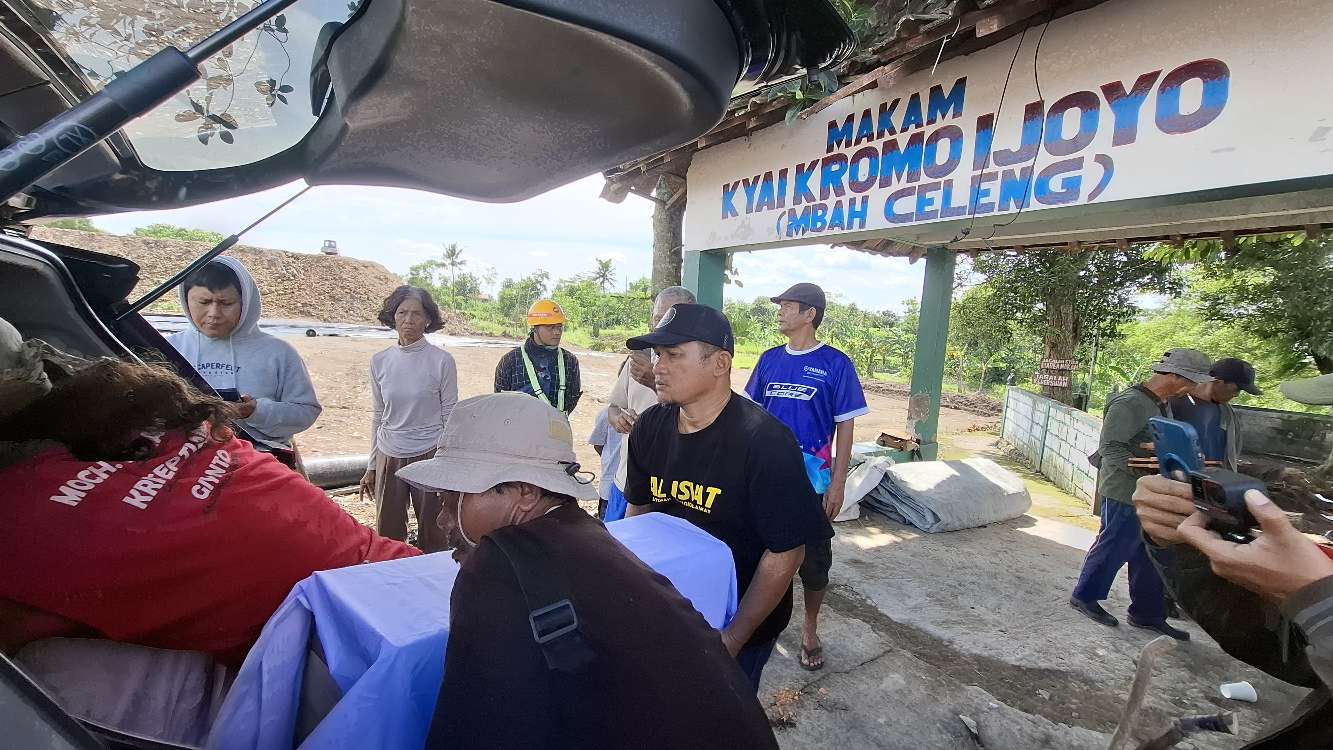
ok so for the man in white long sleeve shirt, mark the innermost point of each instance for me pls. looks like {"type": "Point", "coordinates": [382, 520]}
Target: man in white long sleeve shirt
{"type": "Point", "coordinates": [631, 396]}
{"type": "Point", "coordinates": [413, 388]}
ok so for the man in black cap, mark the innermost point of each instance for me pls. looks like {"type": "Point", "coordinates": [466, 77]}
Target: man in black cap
{"type": "Point", "coordinates": [813, 388]}
{"type": "Point", "coordinates": [718, 460]}
{"type": "Point", "coordinates": [1208, 408]}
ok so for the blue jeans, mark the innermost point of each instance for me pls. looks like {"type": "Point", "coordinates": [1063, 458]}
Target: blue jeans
{"type": "Point", "coordinates": [752, 660]}
{"type": "Point", "coordinates": [1120, 541]}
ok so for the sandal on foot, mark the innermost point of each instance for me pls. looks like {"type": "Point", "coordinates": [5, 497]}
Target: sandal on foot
{"type": "Point", "coordinates": [812, 660]}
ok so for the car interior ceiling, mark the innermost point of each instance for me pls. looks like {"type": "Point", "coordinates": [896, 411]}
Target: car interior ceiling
{"type": "Point", "coordinates": [647, 76]}
{"type": "Point", "coordinates": [39, 297]}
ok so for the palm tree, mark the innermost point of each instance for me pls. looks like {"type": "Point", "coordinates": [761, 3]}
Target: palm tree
{"type": "Point", "coordinates": [605, 275]}
{"type": "Point", "coordinates": [453, 260]}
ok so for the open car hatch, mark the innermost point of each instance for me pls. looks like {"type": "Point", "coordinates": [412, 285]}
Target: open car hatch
{"type": "Point", "coordinates": [494, 100]}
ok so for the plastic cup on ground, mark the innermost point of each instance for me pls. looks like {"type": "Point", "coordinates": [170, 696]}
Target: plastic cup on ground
{"type": "Point", "coordinates": [1239, 691]}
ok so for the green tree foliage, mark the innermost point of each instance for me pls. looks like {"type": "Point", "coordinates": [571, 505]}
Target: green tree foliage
{"type": "Point", "coordinates": [875, 341]}
{"type": "Point", "coordinates": [979, 331]}
{"type": "Point", "coordinates": [605, 273]}
{"type": "Point", "coordinates": [79, 224]}
{"type": "Point", "coordinates": [427, 274]}
{"type": "Point", "coordinates": [517, 295]}
{"type": "Point", "coordinates": [173, 232]}
{"type": "Point", "coordinates": [1279, 288]}
{"type": "Point", "coordinates": [1126, 360]}
{"type": "Point", "coordinates": [589, 307]}
{"type": "Point", "coordinates": [440, 276]}
{"type": "Point", "coordinates": [1068, 298]}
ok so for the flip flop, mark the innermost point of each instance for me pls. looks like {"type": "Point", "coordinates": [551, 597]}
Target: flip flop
{"type": "Point", "coordinates": [808, 659]}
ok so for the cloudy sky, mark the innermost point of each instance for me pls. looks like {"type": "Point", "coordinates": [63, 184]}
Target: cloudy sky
{"type": "Point", "coordinates": [560, 232]}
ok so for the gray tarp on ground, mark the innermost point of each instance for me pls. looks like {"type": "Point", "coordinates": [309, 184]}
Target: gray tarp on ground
{"type": "Point", "coordinates": [949, 495]}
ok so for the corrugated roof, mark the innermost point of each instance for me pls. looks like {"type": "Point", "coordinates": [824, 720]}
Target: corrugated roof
{"type": "Point", "coordinates": [907, 36]}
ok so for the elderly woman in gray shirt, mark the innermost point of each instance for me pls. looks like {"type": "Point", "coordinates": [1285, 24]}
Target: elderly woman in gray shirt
{"type": "Point", "coordinates": [413, 386]}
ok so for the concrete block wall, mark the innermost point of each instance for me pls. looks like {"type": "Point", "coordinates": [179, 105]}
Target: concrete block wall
{"type": "Point", "coordinates": [1056, 440]}
{"type": "Point", "coordinates": [1053, 439]}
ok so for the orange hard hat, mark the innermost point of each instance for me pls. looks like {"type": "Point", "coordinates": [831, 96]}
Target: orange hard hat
{"type": "Point", "coordinates": [545, 312]}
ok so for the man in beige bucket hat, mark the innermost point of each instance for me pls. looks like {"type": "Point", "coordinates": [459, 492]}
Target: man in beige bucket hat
{"type": "Point", "coordinates": [557, 633]}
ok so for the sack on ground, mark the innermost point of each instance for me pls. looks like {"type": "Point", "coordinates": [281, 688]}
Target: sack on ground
{"type": "Point", "coordinates": [949, 495]}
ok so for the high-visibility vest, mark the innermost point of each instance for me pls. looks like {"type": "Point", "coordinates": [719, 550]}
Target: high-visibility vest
{"type": "Point", "coordinates": [536, 384]}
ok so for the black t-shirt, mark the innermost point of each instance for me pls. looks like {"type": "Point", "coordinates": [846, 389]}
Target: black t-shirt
{"type": "Point", "coordinates": [741, 479]}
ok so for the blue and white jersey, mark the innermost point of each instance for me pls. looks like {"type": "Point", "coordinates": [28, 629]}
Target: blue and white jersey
{"type": "Point", "coordinates": [810, 392]}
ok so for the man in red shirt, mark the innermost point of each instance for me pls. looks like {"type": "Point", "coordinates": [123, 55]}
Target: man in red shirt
{"type": "Point", "coordinates": [133, 513]}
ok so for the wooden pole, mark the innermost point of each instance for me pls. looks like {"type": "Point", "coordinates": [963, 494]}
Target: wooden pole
{"type": "Point", "coordinates": [1223, 723]}
{"type": "Point", "coordinates": [1138, 690]}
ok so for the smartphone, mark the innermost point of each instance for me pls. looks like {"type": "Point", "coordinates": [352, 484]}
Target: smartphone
{"type": "Point", "coordinates": [1220, 495]}
{"type": "Point", "coordinates": [228, 394]}
{"type": "Point", "coordinates": [1177, 446]}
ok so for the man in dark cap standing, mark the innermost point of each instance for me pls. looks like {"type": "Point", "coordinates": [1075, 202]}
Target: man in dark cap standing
{"type": "Point", "coordinates": [1125, 435]}
{"type": "Point", "coordinates": [718, 460]}
{"type": "Point", "coordinates": [1208, 408]}
{"type": "Point", "coordinates": [813, 388]}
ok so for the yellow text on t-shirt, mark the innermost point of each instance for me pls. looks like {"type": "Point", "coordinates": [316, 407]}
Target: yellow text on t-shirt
{"type": "Point", "coordinates": [694, 495]}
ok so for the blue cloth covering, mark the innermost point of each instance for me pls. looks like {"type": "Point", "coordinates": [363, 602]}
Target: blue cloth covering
{"type": "Point", "coordinates": [384, 627]}
{"type": "Point", "coordinates": [616, 505]}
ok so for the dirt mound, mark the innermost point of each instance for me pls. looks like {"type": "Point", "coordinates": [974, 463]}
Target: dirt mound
{"type": "Point", "coordinates": [975, 403]}
{"type": "Point", "coordinates": [302, 286]}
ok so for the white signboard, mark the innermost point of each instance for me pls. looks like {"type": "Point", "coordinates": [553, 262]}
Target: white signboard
{"type": "Point", "coordinates": [1131, 99]}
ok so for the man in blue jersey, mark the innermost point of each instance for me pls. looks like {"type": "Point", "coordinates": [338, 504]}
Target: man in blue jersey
{"type": "Point", "coordinates": [813, 389]}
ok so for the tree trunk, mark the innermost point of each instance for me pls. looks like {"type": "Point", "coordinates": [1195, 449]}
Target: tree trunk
{"type": "Point", "coordinates": [985, 370]}
{"type": "Point", "coordinates": [1061, 339]}
{"type": "Point", "coordinates": [962, 372]}
{"type": "Point", "coordinates": [667, 225]}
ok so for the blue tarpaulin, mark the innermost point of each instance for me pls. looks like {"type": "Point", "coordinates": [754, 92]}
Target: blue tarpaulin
{"type": "Point", "coordinates": [384, 627]}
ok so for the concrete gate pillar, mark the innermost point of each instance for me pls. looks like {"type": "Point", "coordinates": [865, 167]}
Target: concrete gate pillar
{"type": "Point", "coordinates": [701, 273]}
{"type": "Point", "coordinates": [932, 335]}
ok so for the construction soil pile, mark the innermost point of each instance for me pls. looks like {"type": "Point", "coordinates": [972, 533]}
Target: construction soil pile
{"type": "Point", "coordinates": [297, 286]}
{"type": "Point", "coordinates": [975, 403]}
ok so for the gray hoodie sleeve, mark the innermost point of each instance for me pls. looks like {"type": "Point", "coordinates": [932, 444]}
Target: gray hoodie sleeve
{"type": "Point", "coordinates": [295, 408]}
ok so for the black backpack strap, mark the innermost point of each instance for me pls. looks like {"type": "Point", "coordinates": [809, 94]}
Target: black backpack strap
{"type": "Point", "coordinates": [551, 614]}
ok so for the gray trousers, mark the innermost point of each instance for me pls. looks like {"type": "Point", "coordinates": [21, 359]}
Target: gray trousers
{"type": "Point", "coordinates": [393, 496]}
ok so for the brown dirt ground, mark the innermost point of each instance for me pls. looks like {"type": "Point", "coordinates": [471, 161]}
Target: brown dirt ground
{"type": "Point", "coordinates": [338, 367]}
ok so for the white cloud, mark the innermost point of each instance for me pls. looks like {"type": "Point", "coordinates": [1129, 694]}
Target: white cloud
{"type": "Point", "coordinates": [561, 232]}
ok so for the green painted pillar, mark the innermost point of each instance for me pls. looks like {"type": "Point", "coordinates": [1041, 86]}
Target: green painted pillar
{"type": "Point", "coordinates": [932, 337]}
{"type": "Point", "coordinates": [702, 274]}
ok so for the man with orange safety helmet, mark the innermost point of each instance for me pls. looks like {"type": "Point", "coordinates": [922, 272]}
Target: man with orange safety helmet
{"type": "Point", "coordinates": [540, 367]}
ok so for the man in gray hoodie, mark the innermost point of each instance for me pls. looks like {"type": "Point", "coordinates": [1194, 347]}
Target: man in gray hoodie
{"type": "Point", "coordinates": [263, 374]}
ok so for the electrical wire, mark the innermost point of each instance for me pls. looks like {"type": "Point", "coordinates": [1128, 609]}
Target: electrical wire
{"type": "Point", "coordinates": [986, 162]}
{"type": "Point", "coordinates": [1041, 135]}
